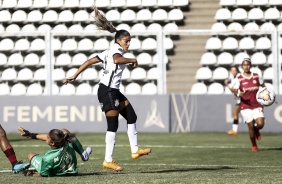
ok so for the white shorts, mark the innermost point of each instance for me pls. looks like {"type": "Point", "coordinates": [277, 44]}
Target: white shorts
{"type": "Point", "coordinates": [250, 114]}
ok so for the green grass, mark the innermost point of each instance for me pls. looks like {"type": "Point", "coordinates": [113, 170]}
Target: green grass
{"type": "Point", "coordinates": [176, 158]}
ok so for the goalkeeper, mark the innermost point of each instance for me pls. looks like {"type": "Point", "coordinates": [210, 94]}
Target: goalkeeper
{"type": "Point", "coordinates": [60, 159]}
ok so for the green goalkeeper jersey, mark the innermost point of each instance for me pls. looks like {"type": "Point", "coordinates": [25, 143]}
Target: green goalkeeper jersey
{"type": "Point", "coordinates": [56, 162]}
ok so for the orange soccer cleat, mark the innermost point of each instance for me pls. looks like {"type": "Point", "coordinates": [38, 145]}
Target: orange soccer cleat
{"type": "Point", "coordinates": [112, 165]}
{"type": "Point", "coordinates": [232, 132]}
{"type": "Point", "coordinates": [140, 152]}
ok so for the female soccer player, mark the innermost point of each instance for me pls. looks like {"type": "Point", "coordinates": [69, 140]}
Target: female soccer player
{"type": "Point", "coordinates": [234, 72]}
{"type": "Point", "coordinates": [112, 101]}
{"type": "Point", "coordinates": [246, 87]}
{"type": "Point", "coordinates": [10, 153]}
{"type": "Point", "coordinates": [60, 160]}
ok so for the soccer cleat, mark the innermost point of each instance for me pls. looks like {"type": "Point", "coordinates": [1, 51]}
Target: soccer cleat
{"type": "Point", "coordinates": [254, 148]}
{"type": "Point", "coordinates": [85, 155]}
{"type": "Point", "coordinates": [19, 166]}
{"type": "Point", "coordinates": [140, 152]}
{"type": "Point", "coordinates": [112, 165]}
{"type": "Point", "coordinates": [257, 133]}
{"type": "Point", "coordinates": [232, 132]}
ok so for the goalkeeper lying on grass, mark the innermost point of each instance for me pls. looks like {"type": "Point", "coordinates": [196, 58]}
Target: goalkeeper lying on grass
{"type": "Point", "coordinates": [60, 160]}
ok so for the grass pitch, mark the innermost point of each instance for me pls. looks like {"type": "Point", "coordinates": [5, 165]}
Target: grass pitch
{"type": "Point", "coordinates": [175, 158]}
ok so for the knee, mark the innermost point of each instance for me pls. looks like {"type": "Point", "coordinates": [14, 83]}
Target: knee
{"type": "Point", "coordinates": [2, 133]}
{"type": "Point", "coordinates": [112, 122]}
{"type": "Point", "coordinates": [30, 155]}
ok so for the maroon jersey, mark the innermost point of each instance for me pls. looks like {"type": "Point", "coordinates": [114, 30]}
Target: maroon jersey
{"type": "Point", "coordinates": [250, 85]}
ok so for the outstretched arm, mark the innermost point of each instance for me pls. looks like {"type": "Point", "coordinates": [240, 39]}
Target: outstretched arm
{"type": "Point", "coordinates": [28, 134]}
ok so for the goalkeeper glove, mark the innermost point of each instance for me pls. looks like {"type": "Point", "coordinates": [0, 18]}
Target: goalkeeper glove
{"type": "Point", "coordinates": [26, 133]}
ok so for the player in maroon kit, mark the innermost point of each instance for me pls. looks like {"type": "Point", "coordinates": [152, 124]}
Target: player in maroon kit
{"type": "Point", "coordinates": [246, 87]}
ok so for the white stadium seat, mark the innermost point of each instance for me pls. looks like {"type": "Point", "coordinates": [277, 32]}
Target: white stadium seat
{"type": "Point", "coordinates": [220, 73]}
{"type": "Point", "coordinates": [24, 4]}
{"type": "Point", "coordinates": [133, 3]}
{"type": "Point", "coordinates": [144, 59]}
{"type": "Point", "coordinates": [251, 26]}
{"type": "Point", "coordinates": [71, 72]}
{"type": "Point", "coordinates": [208, 58]}
{"type": "Point", "coordinates": [18, 89]}
{"type": "Point", "coordinates": [101, 44]}
{"type": "Point", "coordinates": [78, 59]}
{"type": "Point", "coordinates": [149, 89]}
{"type": "Point", "coordinates": [156, 59]}
{"type": "Point", "coordinates": [102, 3]}
{"type": "Point", "coordinates": [260, 2]}
{"type": "Point", "coordinates": [50, 16]}
{"type": "Point", "coordinates": [34, 89]}
{"type": "Point", "coordinates": [58, 74]}
{"type": "Point", "coordinates": [60, 28]}
{"type": "Point", "coordinates": [154, 27]}
{"type": "Point", "coordinates": [170, 27]}
{"type": "Point", "coordinates": [239, 14]}
{"type": "Point", "coordinates": [246, 43]}
{"type": "Point", "coordinates": [40, 3]}
{"type": "Point", "coordinates": [235, 26]}
{"type": "Point", "coordinates": [55, 4]}
{"type": "Point", "coordinates": [255, 14]}
{"type": "Point", "coordinates": [268, 74]}
{"type": "Point", "coordinates": [95, 89]}
{"type": "Point", "coordinates": [229, 43]}
{"type": "Point", "coordinates": [123, 26]}
{"type": "Point", "coordinates": [63, 59]}
{"type": "Point", "coordinates": [275, 2]}
{"type": "Point", "coordinates": [256, 70]}
{"type": "Point", "coordinates": [9, 4]}
{"type": "Point", "coordinates": [19, 16]}
{"type": "Point", "coordinates": [219, 26]}
{"type": "Point", "coordinates": [175, 15]}
{"type": "Point", "coordinates": [215, 88]}
{"type": "Point", "coordinates": [85, 45]}
{"type": "Point", "coordinates": [5, 89]}
{"type": "Point", "coordinates": [180, 3]}
{"type": "Point", "coordinates": [89, 74]}
{"type": "Point", "coordinates": [44, 28]}
{"type": "Point", "coordinates": [31, 59]}
{"type": "Point", "coordinates": [225, 58]}
{"type": "Point", "coordinates": [159, 15]}
{"type": "Point", "coordinates": [65, 16]}
{"type": "Point", "coordinates": [37, 45]}
{"type": "Point", "coordinates": [224, 3]}
{"type": "Point", "coordinates": [81, 16]}
{"type": "Point", "coordinates": [21, 45]}
{"type": "Point", "coordinates": [89, 3]}
{"type": "Point", "coordinates": [5, 16]}
{"type": "Point", "coordinates": [9, 74]}
{"type": "Point", "coordinates": [213, 43]}
{"type": "Point", "coordinates": [15, 59]}
{"type": "Point", "coordinates": [118, 4]}
{"type": "Point", "coordinates": [113, 15]}
{"type": "Point", "coordinates": [40, 75]}
{"type": "Point", "coordinates": [263, 43]}
{"type": "Point", "coordinates": [144, 15]}
{"type": "Point", "coordinates": [199, 88]}
{"type": "Point", "coordinates": [71, 3]}
{"type": "Point", "coordinates": [238, 58]}
{"type": "Point", "coordinates": [223, 14]}
{"type": "Point", "coordinates": [138, 27]}
{"type": "Point", "coordinates": [83, 89]}
{"type": "Point", "coordinates": [56, 44]}
{"type": "Point", "coordinates": [138, 74]}
{"type": "Point", "coordinates": [149, 3]}
{"type": "Point", "coordinates": [133, 89]}
{"type": "Point", "coordinates": [135, 44]}
{"type": "Point", "coordinates": [6, 44]}
{"type": "Point", "coordinates": [75, 28]}
{"type": "Point", "coordinates": [271, 14]}
{"type": "Point", "coordinates": [13, 28]}
{"type": "Point", "coordinates": [153, 73]}
{"type": "Point", "coordinates": [69, 45]}
{"type": "Point", "coordinates": [165, 3]}
{"type": "Point", "coordinates": [244, 2]}
{"type": "Point", "coordinates": [203, 73]}
{"type": "Point", "coordinates": [68, 89]}
{"type": "Point", "coordinates": [3, 59]}
{"type": "Point", "coordinates": [25, 74]}
{"type": "Point", "coordinates": [28, 28]}
{"type": "Point", "coordinates": [149, 44]}
{"type": "Point", "coordinates": [258, 58]}
{"type": "Point", "coordinates": [267, 26]}
{"type": "Point", "coordinates": [128, 15]}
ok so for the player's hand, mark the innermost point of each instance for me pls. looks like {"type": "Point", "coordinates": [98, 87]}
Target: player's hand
{"type": "Point", "coordinates": [70, 79]}
{"type": "Point", "coordinates": [134, 64]}
{"type": "Point", "coordinates": [25, 133]}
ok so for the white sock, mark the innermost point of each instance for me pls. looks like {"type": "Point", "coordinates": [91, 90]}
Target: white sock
{"type": "Point", "coordinates": [132, 136]}
{"type": "Point", "coordinates": [110, 145]}
{"type": "Point", "coordinates": [235, 127]}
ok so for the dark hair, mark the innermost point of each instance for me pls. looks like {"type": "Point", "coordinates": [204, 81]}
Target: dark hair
{"type": "Point", "coordinates": [103, 24]}
{"type": "Point", "coordinates": [59, 138]}
{"type": "Point", "coordinates": [237, 69]}
{"type": "Point", "coordinates": [247, 59]}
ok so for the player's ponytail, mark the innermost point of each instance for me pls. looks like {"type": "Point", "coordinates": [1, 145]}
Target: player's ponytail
{"type": "Point", "coordinates": [58, 138]}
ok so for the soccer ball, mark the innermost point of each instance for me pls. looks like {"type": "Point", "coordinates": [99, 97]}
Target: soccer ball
{"type": "Point", "coordinates": [265, 96]}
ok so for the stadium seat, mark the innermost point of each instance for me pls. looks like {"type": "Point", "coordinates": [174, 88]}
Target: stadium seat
{"type": "Point", "coordinates": [55, 89]}
{"type": "Point", "coordinates": [55, 4]}
{"type": "Point", "coordinates": [263, 43]}
{"type": "Point", "coordinates": [7, 4]}
{"type": "Point", "coordinates": [170, 27]}
{"type": "Point", "coordinates": [275, 2]}
{"type": "Point", "coordinates": [50, 16]}
{"type": "Point", "coordinates": [71, 72]}
{"type": "Point", "coordinates": [19, 16]}
{"type": "Point", "coordinates": [246, 3]}
{"type": "Point", "coordinates": [149, 89]}
{"type": "Point", "coordinates": [123, 26]}
{"type": "Point", "coordinates": [268, 74]}
{"type": "Point", "coordinates": [95, 89]}
{"type": "Point", "coordinates": [258, 58]}
{"type": "Point", "coordinates": [58, 74]}
{"type": "Point", "coordinates": [5, 16]}
{"type": "Point", "coordinates": [40, 75]}
{"type": "Point", "coordinates": [133, 89]}
{"type": "Point", "coordinates": [75, 28]}
{"type": "Point", "coordinates": [138, 27]}
{"type": "Point", "coordinates": [21, 45]}
{"type": "Point", "coordinates": [154, 27]}
{"type": "Point", "coordinates": [256, 70]}
{"type": "Point", "coordinates": [138, 74]}
{"type": "Point", "coordinates": [144, 59]}
{"type": "Point", "coordinates": [3, 59]}
{"type": "Point", "coordinates": [267, 26]}
{"type": "Point", "coordinates": [133, 3]}
{"type": "Point", "coordinates": [238, 58]}
{"type": "Point", "coordinates": [34, 89]}
{"type": "Point", "coordinates": [215, 88]}
{"type": "Point", "coordinates": [149, 44]}
{"type": "Point", "coordinates": [60, 28]}
{"type": "Point", "coordinates": [67, 89]}
{"type": "Point", "coordinates": [101, 44]}
{"type": "Point", "coordinates": [208, 58]}
{"type": "Point", "coordinates": [246, 43]}
{"type": "Point", "coordinates": [24, 4]}
{"type": "Point", "coordinates": [18, 89]}
{"type": "Point", "coordinates": [9, 74]}
{"type": "Point", "coordinates": [159, 15]}
{"type": "Point", "coordinates": [271, 14]}
{"type": "Point", "coordinates": [251, 26]}
{"type": "Point", "coordinates": [15, 59]}
{"type": "Point", "coordinates": [180, 3]}
{"type": "Point", "coordinates": [135, 44]}
{"type": "Point", "coordinates": [40, 4]}
{"type": "Point", "coordinates": [78, 59]}
{"type": "Point", "coordinates": [2, 29]}
{"type": "Point", "coordinates": [81, 16]}
{"type": "Point", "coordinates": [128, 15]}
{"type": "Point", "coordinates": [113, 15]}
{"type": "Point", "coordinates": [102, 3]}
{"type": "Point", "coordinates": [175, 15]}
{"type": "Point", "coordinates": [5, 89]}
{"type": "Point", "coordinates": [239, 14]}
{"type": "Point", "coordinates": [225, 3]}
{"type": "Point", "coordinates": [225, 58]}
{"type": "Point", "coordinates": [223, 14]}
{"type": "Point", "coordinates": [89, 74]}
{"type": "Point", "coordinates": [125, 74]}
{"type": "Point", "coordinates": [31, 59]}
{"type": "Point", "coordinates": [164, 3]}
{"type": "Point", "coordinates": [43, 60]}
{"type": "Point", "coordinates": [149, 3]}
{"type": "Point", "coordinates": [255, 14]}
{"type": "Point", "coordinates": [235, 26]}
{"type": "Point", "coordinates": [69, 45]}
{"type": "Point", "coordinates": [203, 73]}
{"type": "Point", "coordinates": [144, 15]}
{"type": "Point", "coordinates": [220, 73]}
{"type": "Point", "coordinates": [37, 45]}
{"type": "Point", "coordinates": [83, 89]}
{"type": "Point", "coordinates": [85, 45]}
{"type": "Point", "coordinates": [71, 3]}
{"type": "Point", "coordinates": [90, 3]}
{"type": "Point", "coordinates": [218, 26]}
{"type": "Point", "coordinates": [279, 27]}
{"type": "Point", "coordinates": [213, 43]}
{"type": "Point", "coordinates": [65, 16]}
{"type": "Point", "coordinates": [229, 43]}
{"type": "Point", "coordinates": [44, 28]}
{"type": "Point", "coordinates": [56, 44]}
{"type": "Point", "coordinates": [155, 60]}
{"type": "Point", "coordinates": [260, 2]}
{"type": "Point", "coordinates": [29, 28]}
{"type": "Point", "coordinates": [129, 55]}
{"type": "Point", "coordinates": [153, 73]}
{"type": "Point", "coordinates": [199, 88]}
{"type": "Point", "coordinates": [25, 74]}
{"type": "Point", "coordinates": [63, 59]}
{"type": "Point", "coordinates": [6, 44]}
{"type": "Point", "coordinates": [13, 28]}
{"type": "Point", "coordinates": [270, 59]}
{"type": "Point", "coordinates": [118, 4]}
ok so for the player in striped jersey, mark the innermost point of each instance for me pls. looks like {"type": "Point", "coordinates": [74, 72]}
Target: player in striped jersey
{"type": "Point", "coordinates": [112, 101]}
{"type": "Point", "coordinates": [246, 87]}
